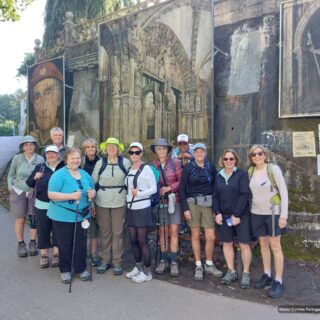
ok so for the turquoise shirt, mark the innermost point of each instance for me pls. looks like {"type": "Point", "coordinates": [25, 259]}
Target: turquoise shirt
{"type": "Point", "coordinates": [223, 174]}
{"type": "Point", "coordinates": [62, 181]}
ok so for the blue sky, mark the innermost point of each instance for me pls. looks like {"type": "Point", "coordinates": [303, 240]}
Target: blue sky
{"type": "Point", "coordinates": [17, 38]}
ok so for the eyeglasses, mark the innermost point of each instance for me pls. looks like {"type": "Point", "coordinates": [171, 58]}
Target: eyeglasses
{"type": "Point", "coordinates": [257, 154]}
{"type": "Point", "coordinates": [135, 152]}
{"type": "Point", "coordinates": [228, 159]}
{"type": "Point", "coordinates": [80, 184]}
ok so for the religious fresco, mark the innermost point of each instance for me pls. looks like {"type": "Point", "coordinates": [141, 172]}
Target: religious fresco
{"type": "Point", "coordinates": [46, 99]}
{"type": "Point", "coordinates": [156, 66]}
{"type": "Point", "coordinates": [300, 59]}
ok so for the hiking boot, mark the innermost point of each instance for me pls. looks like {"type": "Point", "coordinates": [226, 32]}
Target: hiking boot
{"type": "Point", "coordinates": [198, 275]}
{"type": "Point", "coordinates": [22, 250]}
{"type": "Point", "coordinates": [33, 250]}
{"type": "Point", "coordinates": [44, 261]}
{"type": "Point", "coordinates": [103, 267]}
{"type": "Point", "coordinates": [161, 267]}
{"type": "Point", "coordinates": [84, 276]}
{"type": "Point", "coordinates": [55, 261]}
{"type": "Point", "coordinates": [245, 280]}
{"type": "Point", "coordinates": [134, 272]}
{"type": "Point", "coordinates": [142, 277]}
{"type": "Point", "coordinates": [95, 261]}
{"type": "Point", "coordinates": [265, 281]}
{"type": "Point", "coordinates": [211, 269]}
{"type": "Point", "coordinates": [229, 277]}
{"type": "Point", "coordinates": [117, 271]}
{"type": "Point", "coordinates": [276, 290]}
{"type": "Point", "coordinates": [65, 277]}
{"type": "Point", "coordinates": [174, 269]}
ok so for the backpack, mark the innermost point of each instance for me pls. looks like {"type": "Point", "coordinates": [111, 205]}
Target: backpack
{"type": "Point", "coordinates": [207, 170]}
{"type": "Point", "coordinates": [276, 198]}
{"type": "Point", "coordinates": [103, 167]}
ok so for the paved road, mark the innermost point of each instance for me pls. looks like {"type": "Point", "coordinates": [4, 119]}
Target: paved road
{"type": "Point", "coordinates": [9, 146]}
{"type": "Point", "coordinates": [30, 293]}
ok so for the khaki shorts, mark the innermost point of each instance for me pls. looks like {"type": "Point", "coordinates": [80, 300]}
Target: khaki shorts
{"type": "Point", "coordinates": [20, 205]}
{"type": "Point", "coordinates": [201, 217]}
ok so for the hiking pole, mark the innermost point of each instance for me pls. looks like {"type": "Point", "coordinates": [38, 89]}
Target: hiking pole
{"type": "Point", "coordinates": [90, 240]}
{"type": "Point", "coordinates": [74, 241]}
{"type": "Point", "coordinates": [158, 236]}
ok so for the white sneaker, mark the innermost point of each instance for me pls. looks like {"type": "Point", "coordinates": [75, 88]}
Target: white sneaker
{"type": "Point", "coordinates": [142, 277]}
{"type": "Point", "coordinates": [134, 272]}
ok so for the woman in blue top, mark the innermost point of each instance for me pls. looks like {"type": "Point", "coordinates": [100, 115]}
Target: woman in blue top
{"type": "Point", "coordinates": [231, 207]}
{"type": "Point", "coordinates": [70, 189]}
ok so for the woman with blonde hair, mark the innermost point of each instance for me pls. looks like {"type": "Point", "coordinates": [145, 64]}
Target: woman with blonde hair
{"type": "Point", "coordinates": [269, 216]}
{"type": "Point", "coordinates": [232, 214]}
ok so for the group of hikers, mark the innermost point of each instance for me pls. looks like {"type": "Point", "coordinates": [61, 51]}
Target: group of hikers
{"type": "Point", "coordinates": [67, 193]}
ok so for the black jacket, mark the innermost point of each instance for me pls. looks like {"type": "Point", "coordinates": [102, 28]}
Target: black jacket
{"type": "Point", "coordinates": [193, 182]}
{"type": "Point", "coordinates": [42, 185]}
{"type": "Point", "coordinates": [232, 198]}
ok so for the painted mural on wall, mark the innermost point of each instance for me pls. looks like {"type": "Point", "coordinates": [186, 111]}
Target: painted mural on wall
{"type": "Point", "coordinates": [300, 59]}
{"type": "Point", "coordinates": [157, 68]}
{"type": "Point", "coordinates": [46, 99]}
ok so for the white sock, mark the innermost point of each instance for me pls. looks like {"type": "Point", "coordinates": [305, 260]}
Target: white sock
{"type": "Point", "coordinates": [209, 262]}
{"type": "Point", "coordinates": [278, 279]}
{"type": "Point", "coordinates": [198, 263]}
{"type": "Point", "coordinates": [268, 273]}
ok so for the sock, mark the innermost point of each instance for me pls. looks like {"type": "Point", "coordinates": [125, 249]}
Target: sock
{"type": "Point", "coordinates": [147, 270]}
{"type": "Point", "coordinates": [21, 242]}
{"type": "Point", "coordinates": [33, 240]}
{"type": "Point", "coordinates": [209, 263]}
{"type": "Point", "coordinates": [139, 266]}
{"type": "Point", "coordinates": [278, 279]}
{"type": "Point", "coordinates": [268, 273]}
{"type": "Point", "coordinates": [174, 257]}
{"type": "Point", "coordinates": [164, 256]}
{"type": "Point", "coordinates": [198, 263]}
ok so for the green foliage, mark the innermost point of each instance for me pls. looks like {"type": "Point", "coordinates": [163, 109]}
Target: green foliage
{"type": "Point", "coordinates": [10, 10]}
{"type": "Point", "coordinates": [28, 60]}
{"type": "Point", "coordinates": [10, 108]}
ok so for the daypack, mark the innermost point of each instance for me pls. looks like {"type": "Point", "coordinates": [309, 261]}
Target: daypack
{"type": "Point", "coordinates": [207, 170]}
{"type": "Point", "coordinates": [103, 167]}
{"type": "Point", "coordinates": [276, 198]}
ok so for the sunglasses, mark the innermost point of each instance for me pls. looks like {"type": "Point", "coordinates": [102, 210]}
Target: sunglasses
{"type": "Point", "coordinates": [228, 159]}
{"type": "Point", "coordinates": [135, 152]}
{"type": "Point", "coordinates": [257, 154]}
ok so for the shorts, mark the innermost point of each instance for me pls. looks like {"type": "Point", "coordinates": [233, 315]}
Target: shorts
{"type": "Point", "coordinates": [240, 232]}
{"type": "Point", "coordinates": [201, 217]}
{"type": "Point", "coordinates": [139, 218]}
{"type": "Point", "coordinates": [94, 229]}
{"type": "Point", "coordinates": [262, 225]}
{"type": "Point", "coordinates": [165, 218]}
{"type": "Point", "coordinates": [20, 205]}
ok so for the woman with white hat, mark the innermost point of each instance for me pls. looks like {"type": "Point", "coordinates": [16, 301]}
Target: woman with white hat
{"type": "Point", "coordinates": [20, 196]}
{"type": "Point", "coordinates": [39, 180]}
{"type": "Point", "coordinates": [108, 175]}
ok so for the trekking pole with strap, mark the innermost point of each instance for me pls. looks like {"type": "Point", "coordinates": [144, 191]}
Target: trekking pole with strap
{"type": "Point", "coordinates": [90, 239]}
{"type": "Point", "coordinates": [74, 242]}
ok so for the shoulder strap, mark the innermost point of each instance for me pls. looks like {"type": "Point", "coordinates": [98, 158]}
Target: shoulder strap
{"type": "Point", "coordinates": [121, 165]}
{"type": "Point", "coordinates": [250, 172]}
{"type": "Point", "coordinates": [135, 178]}
{"type": "Point", "coordinates": [172, 165]}
{"type": "Point", "coordinates": [103, 165]}
{"type": "Point", "coordinates": [270, 176]}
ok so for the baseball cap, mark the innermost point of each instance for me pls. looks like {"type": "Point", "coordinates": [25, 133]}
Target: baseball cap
{"type": "Point", "coordinates": [136, 144]}
{"type": "Point", "coordinates": [52, 148]}
{"type": "Point", "coordinates": [199, 145]}
{"type": "Point", "coordinates": [183, 138]}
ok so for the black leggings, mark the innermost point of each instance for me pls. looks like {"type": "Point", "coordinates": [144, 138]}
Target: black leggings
{"type": "Point", "coordinates": [139, 244]}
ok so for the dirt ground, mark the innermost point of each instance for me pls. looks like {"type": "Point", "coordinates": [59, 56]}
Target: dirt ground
{"type": "Point", "coordinates": [301, 279]}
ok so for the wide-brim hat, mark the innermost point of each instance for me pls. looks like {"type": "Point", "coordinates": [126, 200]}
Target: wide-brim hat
{"type": "Point", "coordinates": [136, 144]}
{"type": "Point", "coordinates": [27, 139]}
{"type": "Point", "coordinates": [111, 140]}
{"type": "Point", "coordinates": [161, 143]}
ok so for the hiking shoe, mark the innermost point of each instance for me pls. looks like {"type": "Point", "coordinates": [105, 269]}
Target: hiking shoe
{"type": "Point", "coordinates": [117, 271]}
{"type": "Point", "coordinates": [142, 277]}
{"type": "Point", "coordinates": [33, 250]}
{"type": "Point", "coordinates": [55, 261]}
{"type": "Point", "coordinates": [95, 261]}
{"type": "Point", "coordinates": [211, 269]}
{"type": "Point", "coordinates": [134, 272]}
{"type": "Point", "coordinates": [198, 275]}
{"type": "Point", "coordinates": [103, 267]}
{"type": "Point", "coordinates": [44, 261]}
{"type": "Point", "coordinates": [265, 281]}
{"type": "Point", "coordinates": [229, 277]}
{"type": "Point", "coordinates": [65, 277]}
{"type": "Point", "coordinates": [84, 276]}
{"type": "Point", "coordinates": [22, 250]}
{"type": "Point", "coordinates": [161, 267]}
{"type": "Point", "coordinates": [245, 280]}
{"type": "Point", "coordinates": [276, 290]}
{"type": "Point", "coordinates": [174, 269]}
